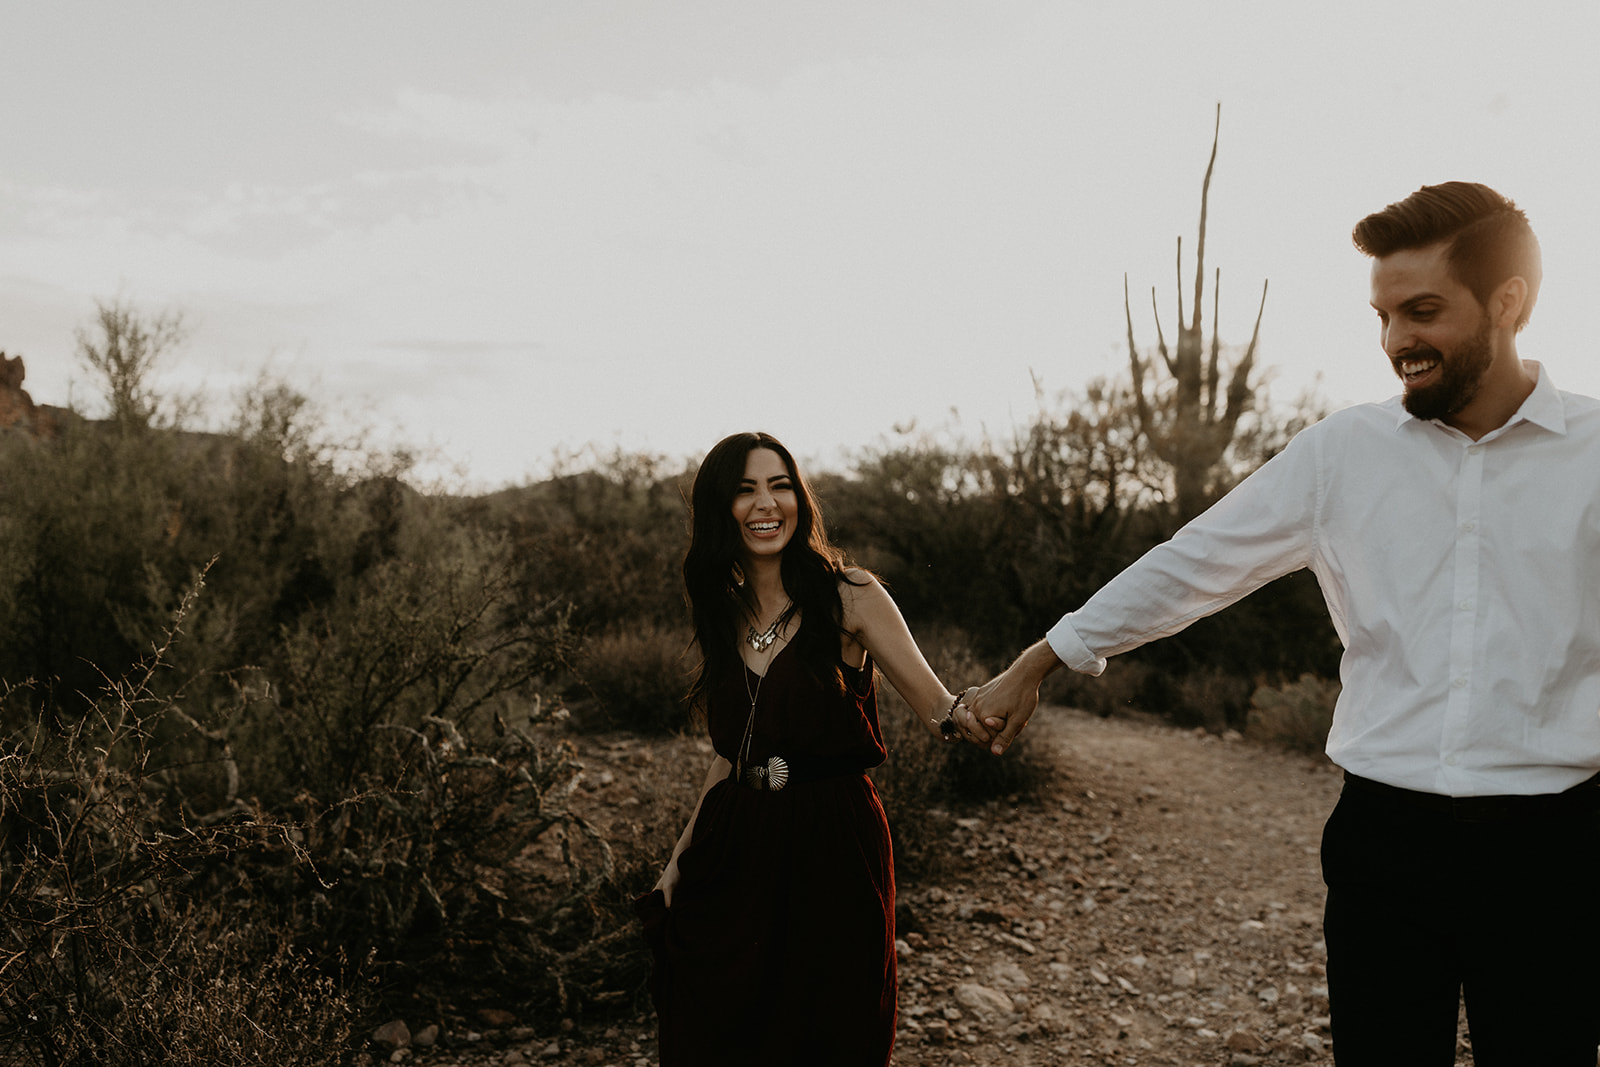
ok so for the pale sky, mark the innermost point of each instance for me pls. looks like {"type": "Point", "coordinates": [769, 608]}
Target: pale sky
{"type": "Point", "coordinates": [499, 230]}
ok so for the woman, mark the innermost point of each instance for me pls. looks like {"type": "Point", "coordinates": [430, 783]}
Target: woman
{"type": "Point", "coordinates": [773, 923]}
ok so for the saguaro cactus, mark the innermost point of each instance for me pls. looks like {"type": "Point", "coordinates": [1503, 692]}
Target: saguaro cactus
{"type": "Point", "coordinates": [1193, 434]}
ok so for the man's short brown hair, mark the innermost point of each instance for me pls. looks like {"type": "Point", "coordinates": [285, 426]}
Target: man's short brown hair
{"type": "Point", "coordinates": [1489, 236]}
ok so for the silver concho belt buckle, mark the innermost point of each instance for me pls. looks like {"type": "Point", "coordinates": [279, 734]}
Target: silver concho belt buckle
{"type": "Point", "coordinates": [770, 776]}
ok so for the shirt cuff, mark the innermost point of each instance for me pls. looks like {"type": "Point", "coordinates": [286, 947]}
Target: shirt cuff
{"type": "Point", "coordinates": [1070, 649]}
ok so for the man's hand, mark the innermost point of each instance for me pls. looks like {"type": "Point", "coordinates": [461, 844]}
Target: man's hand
{"type": "Point", "coordinates": [997, 711]}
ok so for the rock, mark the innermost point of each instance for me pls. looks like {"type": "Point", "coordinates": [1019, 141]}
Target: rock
{"type": "Point", "coordinates": [1244, 1041]}
{"type": "Point", "coordinates": [392, 1035]}
{"type": "Point", "coordinates": [1004, 974]}
{"type": "Point", "coordinates": [1016, 942]}
{"type": "Point", "coordinates": [987, 1004]}
{"type": "Point", "coordinates": [1268, 996]}
{"type": "Point", "coordinates": [514, 1056]}
{"type": "Point", "coordinates": [1086, 905]}
{"type": "Point", "coordinates": [427, 1037]}
{"type": "Point", "coordinates": [1311, 1041]}
{"type": "Point", "coordinates": [1099, 976]}
{"type": "Point", "coordinates": [1183, 978]}
{"type": "Point", "coordinates": [903, 949]}
{"type": "Point", "coordinates": [495, 1017]}
{"type": "Point", "coordinates": [1253, 933]}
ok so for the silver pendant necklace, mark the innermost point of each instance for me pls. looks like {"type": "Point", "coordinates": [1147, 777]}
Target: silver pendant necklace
{"type": "Point", "coordinates": [763, 640]}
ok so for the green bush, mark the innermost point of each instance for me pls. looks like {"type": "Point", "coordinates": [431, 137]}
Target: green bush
{"type": "Point", "coordinates": [638, 678]}
{"type": "Point", "coordinates": [123, 942]}
{"type": "Point", "coordinates": [1296, 716]}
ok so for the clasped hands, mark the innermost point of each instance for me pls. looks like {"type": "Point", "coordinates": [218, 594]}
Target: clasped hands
{"type": "Point", "coordinates": [994, 713]}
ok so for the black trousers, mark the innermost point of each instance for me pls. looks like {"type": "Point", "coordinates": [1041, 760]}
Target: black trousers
{"type": "Point", "coordinates": [1425, 906]}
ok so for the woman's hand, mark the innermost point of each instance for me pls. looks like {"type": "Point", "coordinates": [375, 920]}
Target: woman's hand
{"type": "Point", "coordinates": [1002, 707]}
{"type": "Point", "coordinates": [668, 880]}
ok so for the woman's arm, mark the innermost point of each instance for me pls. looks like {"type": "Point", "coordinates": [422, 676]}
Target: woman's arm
{"type": "Point", "coordinates": [873, 621]}
{"type": "Point", "coordinates": [669, 878]}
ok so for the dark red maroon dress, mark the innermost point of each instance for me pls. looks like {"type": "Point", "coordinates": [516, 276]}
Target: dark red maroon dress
{"type": "Point", "coordinates": [779, 945]}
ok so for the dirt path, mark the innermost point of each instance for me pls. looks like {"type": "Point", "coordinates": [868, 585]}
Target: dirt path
{"type": "Point", "coordinates": [1165, 909]}
{"type": "Point", "coordinates": [1162, 906]}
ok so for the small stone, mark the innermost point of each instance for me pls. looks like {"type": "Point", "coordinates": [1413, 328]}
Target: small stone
{"type": "Point", "coordinates": [1086, 905]}
{"type": "Point", "coordinates": [1183, 978]}
{"type": "Point", "coordinates": [512, 1057]}
{"type": "Point", "coordinates": [1269, 995]}
{"type": "Point", "coordinates": [495, 1018]}
{"type": "Point", "coordinates": [1007, 975]}
{"type": "Point", "coordinates": [903, 949]}
{"type": "Point", "coordinates": [400, 1055]}
{"type": "Point", "coordinates": [984, 1002]}
{"type": "Point", "coordinates": [392, 1035]}
{"type": "Point", "coordinates": [1099, 976]}
{"type": "Point", "coordinates": [1311, 1041]}
{"type": "Point", "coordinates": [427, 1037]}
{"type": "Point", "coordinates": [1244, 1041]}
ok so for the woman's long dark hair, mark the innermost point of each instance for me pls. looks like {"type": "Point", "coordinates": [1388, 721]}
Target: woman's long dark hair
{"type": "Point", "coordinates": [812, 569]}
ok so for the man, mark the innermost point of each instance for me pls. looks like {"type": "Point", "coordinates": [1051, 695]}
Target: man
{"type": "Point", "coordinates": [1456, 535]}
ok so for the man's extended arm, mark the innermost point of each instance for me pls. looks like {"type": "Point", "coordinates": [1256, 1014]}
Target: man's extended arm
{"type": "Point", "coordinates": [1262, 530]}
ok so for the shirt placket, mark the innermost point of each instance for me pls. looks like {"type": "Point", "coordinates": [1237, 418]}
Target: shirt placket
{"type": "Point", "coordinates": [1454, 737]}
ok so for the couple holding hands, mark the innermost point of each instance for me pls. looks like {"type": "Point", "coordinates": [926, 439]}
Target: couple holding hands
{"type": "Point", "coordinates": [1455, 532]}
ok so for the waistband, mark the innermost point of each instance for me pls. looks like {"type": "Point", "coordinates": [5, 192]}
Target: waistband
{"type": "Point", "coordinates": [1584, 796]}
{"type": "Point", "coordinates": [779, 771]}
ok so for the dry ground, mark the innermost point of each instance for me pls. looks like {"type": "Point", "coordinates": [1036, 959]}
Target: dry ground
{"type": "Point", "coordinates": [1160, 906]}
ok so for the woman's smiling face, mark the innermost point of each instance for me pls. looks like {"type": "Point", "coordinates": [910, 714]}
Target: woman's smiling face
{"type": "Point", "coordinates": [765, 504]}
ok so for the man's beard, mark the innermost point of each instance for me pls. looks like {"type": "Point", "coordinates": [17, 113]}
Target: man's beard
{"type": "Point", "coordinates": [1460, 374]}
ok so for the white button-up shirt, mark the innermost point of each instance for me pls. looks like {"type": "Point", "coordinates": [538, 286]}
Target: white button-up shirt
{"type": "Point", "coordinates": [1462, 576]}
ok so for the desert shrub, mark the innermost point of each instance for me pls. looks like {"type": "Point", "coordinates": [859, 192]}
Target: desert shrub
{"type": "Point", "coordinates": [121, 944]}
{"type": "Point", "coordinates": [101, 529]}
{"type": "Point", "coordinates": [1296, 715]}
{"type": "Point", "coordinates": [426, 872]}
{"type": "Point", "coordinates": [926, 780]}
{"type": "Point", "coordinates": [638, 678]}
{"type": "Point", "coordinates": [1123, 687]}
{"type": "Point", "coordinates": [608, 539]}
{"type": "Point", "coordinates": [1210, 697]}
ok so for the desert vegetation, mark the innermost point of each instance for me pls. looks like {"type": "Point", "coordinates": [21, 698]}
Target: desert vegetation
{"type": "Point", "coordinates": [288, 745]}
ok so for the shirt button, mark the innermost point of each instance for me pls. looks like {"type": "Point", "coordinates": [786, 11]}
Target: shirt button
{"type": "Point", "coordinates": [1468, 527]}
{"type": "Point", "coordinates": [1474, 450]}
{"type": "Point", "coordinates": [1465, 605]}
{"type": "Point", "coordinates": [1450, 761]}
{"type": "Point", "coordinates": [1459, 683]}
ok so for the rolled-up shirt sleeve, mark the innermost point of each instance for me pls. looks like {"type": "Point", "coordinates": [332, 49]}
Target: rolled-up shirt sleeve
{"type": "Point", "coordinates": [1265, 528]}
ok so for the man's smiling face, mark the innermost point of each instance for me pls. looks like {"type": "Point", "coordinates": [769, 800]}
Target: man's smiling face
{"type": "Point", "coordinates": [1437, 336]}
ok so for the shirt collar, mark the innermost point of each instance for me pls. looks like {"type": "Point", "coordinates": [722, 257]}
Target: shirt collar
{"type": "Point", "coordinates": [1543, 407]}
